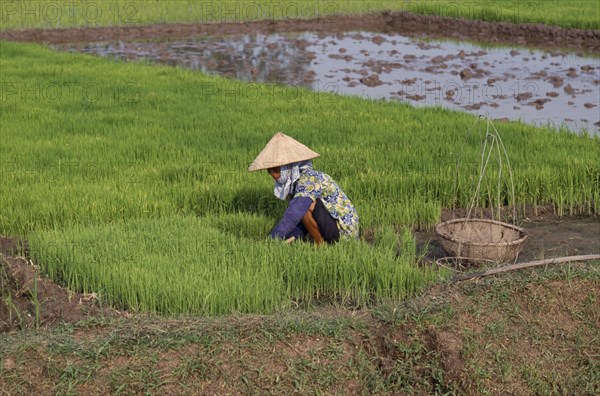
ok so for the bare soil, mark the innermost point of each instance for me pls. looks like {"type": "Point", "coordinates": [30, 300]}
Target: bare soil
{"type": "Point", "coordinates": [530, 35]}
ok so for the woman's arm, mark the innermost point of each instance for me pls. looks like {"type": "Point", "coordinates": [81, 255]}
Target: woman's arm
{"type": "Point", "coordinates": [311, 225]}
{"type": "Point", "coordinates": [293, 215]}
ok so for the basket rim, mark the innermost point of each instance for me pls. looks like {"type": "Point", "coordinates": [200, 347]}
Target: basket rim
{"type": "Point", "coordinates": [439, 231]}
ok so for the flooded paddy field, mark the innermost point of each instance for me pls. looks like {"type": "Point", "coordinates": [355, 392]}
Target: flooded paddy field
{"type": "Point", "coordinates": [536, 86]}
{"type": "Point", "coordinates": [544, 75]}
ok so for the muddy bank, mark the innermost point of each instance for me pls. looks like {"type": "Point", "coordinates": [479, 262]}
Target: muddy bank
{"type": "Point", "coordinates": [549, 235]}
{"type": "Point", "coordinates": [531, 35]}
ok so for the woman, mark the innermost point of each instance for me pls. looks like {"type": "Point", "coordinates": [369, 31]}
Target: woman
{"type": "Point", "coordinates": [317, 205]}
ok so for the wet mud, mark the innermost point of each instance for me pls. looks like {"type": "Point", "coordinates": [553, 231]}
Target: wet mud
{"type": "Point", "coordinates": [549, 236]}
{"type": "Point", "coordinates": [529, 35]}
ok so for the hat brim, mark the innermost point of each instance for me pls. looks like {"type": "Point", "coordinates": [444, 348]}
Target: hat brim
{"type": "Point", "coordinates": [281, 150]}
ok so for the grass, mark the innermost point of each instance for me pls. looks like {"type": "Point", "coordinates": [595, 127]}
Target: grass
{"type": "Point", "coordinates": [50, 14]}
{"type": "Point", "coordinates": [581, 14]}
{"type": "Point", "coordinates": [536, 334]}
{"type": "Point", "coordinates": [130, 180]}
{"type": "Point", "coordinates": [526, 329]}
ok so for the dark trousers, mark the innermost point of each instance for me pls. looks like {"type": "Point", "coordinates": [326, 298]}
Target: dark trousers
{"type": "Point", "coordinates": [326, 223]}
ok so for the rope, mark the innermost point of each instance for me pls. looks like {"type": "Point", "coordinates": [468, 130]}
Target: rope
{"type": "Point", "coordinates": [492, 136]}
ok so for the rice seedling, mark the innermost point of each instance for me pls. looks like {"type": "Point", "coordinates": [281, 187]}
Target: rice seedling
{"type": "Point", "coordinates": [185, 264]}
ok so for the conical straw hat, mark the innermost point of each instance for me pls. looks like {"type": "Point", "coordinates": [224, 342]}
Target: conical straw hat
{"type": "Point", "coordinates": [281, 150]}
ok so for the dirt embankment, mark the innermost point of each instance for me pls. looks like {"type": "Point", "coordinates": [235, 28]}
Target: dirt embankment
{"type": "Point", "coordinates": [519, 334]}
{"type": "Point", "coordinates": [531, 35]}
{"type": "Point", "coordinates": [27, 299]}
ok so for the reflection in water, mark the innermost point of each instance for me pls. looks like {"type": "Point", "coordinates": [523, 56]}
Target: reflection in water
{"type": "Point", "coordinates": [249, 58]}
{"type": "Point", "coordinates": [534, 86]}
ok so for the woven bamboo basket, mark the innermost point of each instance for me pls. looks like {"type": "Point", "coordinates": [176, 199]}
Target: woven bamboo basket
{"type": "Point", "coordinates": [481, 239]}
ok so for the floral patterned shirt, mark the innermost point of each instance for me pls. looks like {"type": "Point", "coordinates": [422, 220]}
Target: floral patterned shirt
{"type": "Point", "coordinates": [315, 184]}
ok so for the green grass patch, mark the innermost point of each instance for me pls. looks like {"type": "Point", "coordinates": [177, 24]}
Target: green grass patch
{"type": "Point", "coordinates": [581, 14]}
{"type": "Point", "coordinates": [50, 14]}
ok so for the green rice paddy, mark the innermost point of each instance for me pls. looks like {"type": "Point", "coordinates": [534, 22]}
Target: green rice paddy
{"type": "Point", "coordinates": [130, 181]}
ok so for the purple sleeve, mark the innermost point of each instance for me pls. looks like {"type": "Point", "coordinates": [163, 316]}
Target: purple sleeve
{"type": "Point", "coordinates": [292, 216]}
